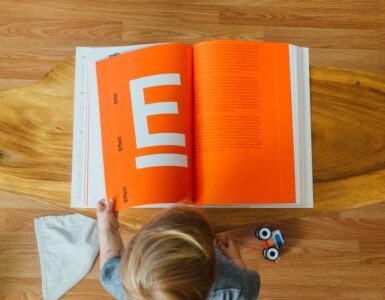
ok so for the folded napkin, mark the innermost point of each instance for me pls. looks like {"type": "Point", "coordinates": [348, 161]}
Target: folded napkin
{"type": "Point", "coordinates": [68, 246]}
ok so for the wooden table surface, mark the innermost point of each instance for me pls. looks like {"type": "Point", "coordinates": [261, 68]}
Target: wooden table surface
{"type": "Point", "coordinates": [348, 137]}
{"type": "Point", "coordinates": [348, 107]}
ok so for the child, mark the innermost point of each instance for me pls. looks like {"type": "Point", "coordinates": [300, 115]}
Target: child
{"type": "Point", "coordinates": [172, 257]}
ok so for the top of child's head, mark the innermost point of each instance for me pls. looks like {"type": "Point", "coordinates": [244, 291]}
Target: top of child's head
{"type": "Point", "coordinates": [172, 257]}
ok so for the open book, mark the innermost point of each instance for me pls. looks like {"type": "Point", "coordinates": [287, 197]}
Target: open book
{"type": "Point", "coordinates": [221, 123]}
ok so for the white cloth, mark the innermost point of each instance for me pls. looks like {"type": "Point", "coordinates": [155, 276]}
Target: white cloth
{"type": "Point", "coordinates": [68, 246]}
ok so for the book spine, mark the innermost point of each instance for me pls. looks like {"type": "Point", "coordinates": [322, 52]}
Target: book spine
{"type": "Point", "coordinates": [78, 190]}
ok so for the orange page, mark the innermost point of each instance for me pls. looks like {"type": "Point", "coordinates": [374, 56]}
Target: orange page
{"type": "Point", "coordinates": [145, 101]}
{"type": "Point", "coordinates": [243, 123]}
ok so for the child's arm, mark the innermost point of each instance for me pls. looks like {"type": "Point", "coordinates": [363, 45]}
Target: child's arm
{"type": "Point", "coordinates": [230, 250]}
{"type": "Point", "coordinates": [109, 237]}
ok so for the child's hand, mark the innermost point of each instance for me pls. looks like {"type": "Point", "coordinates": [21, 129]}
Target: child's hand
{"type": "Point", "coordinates": [227, 246]}
{"type": "Point", "coordinates": [107, 218]}
{"type": "Point", "coordinates": [229, 249]}
{"type": "Point", "coordinates": [110, 241]}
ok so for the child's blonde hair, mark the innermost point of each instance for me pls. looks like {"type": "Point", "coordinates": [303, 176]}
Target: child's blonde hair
{"type": "Point", "coordinates": [171, 258]}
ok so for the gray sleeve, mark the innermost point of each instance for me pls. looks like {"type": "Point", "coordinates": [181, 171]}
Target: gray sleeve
{"type": "Point", "coordinates": [252, 283]}
{"type": "Point", "coordinates": [234, 282]}
{"type": "Point", "coordinates": [110, 278]}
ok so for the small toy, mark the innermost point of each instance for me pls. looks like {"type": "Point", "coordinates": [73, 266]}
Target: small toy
{"type": "Point", "coordinates": [272, 241]}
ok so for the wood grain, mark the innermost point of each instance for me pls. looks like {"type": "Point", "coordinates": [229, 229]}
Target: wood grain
{"type": "Point", "coordinates": [300, 17]}
{"type": "Point", "coordinates": [333, 256]}
{"type": "Point", "coordinates": [36, 35]}
{"type": "Point", "coordinates": [337, 256]}
{"type": "Point", "coordinates": [347, 135]}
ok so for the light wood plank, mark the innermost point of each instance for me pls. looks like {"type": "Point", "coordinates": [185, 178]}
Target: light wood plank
{"type": "Point", "coordinates": [367, 60]}
{"type": "Point", "coordinates": [301, 17]}
{"type": "Point", "coordinates": [339, 254]}
{"type": "Point", "coordinates": [276, 291]}
{"type": "Point", "coordinates": [327, 38]}
{"type": "Point", "coordinates": [118, 10]}
{"type": "Point", "coordinates": [140, 29]}
{"type": "Point", "coordinates": [351, 5]}
{"type": "Point", "coordinates": [14, 83]}
{"type": "Point", "coordinates": [52, 28]}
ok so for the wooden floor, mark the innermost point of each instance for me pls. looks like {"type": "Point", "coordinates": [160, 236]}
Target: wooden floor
{"type": "Point", "coordinates": [335, 256]}
{"type": "Point", "coordinates": [35, 35]}
{"type": "Point", "coordinates": [338, 256]}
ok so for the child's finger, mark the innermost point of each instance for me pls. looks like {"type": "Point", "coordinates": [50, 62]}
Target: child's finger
{"type": "Point", "coordinates": [225, 240]}
{"type": "Point", "coordinates": [110, 204]}
{"type": "Point", "coordinates": [220, 237]}
{"type": "Point", "coordinates": [230, 242]}
{"type": "Point", "coordinates": [221, 245]}
{"type": "Point", "coordinates": [101, 205]}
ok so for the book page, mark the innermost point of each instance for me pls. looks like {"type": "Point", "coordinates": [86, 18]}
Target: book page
{"type": "Point", "coordinates": [243, 123]}
{"type": "Point", "coordinates": [145, 99]}
{"type": "Point", "coordinates": [87, 186]}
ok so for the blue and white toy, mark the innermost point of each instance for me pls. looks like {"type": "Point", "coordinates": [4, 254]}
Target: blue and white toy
{"type": "Point", "coordinates": [272, 241]}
